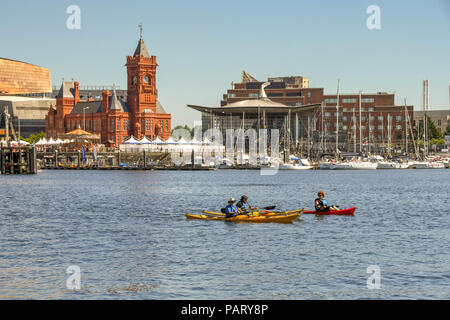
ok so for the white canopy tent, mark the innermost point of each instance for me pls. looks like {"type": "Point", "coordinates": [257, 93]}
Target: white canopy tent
{"type": "Point", "coordinates": [206, 141]}
{"type": "Point", "coordinates": [131, 140]}
{"type": "Point", "coordinates": [144, 140]}
{"type": "Point", "coordinates": [195, 141]}
{"type": "Point", "coordinates": [182, 140]}
{"type": "Point", "coordinates": [158, 141]}
{"type": "Point", "coordinates": [181, 145]}
{"type": "Point", "coordinates": [41, 142]}
{"type": "Point", "coordinates": [170, 141]}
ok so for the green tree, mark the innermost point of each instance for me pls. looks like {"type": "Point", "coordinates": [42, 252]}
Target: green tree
{"type": "Point", "coordinates": [34, 137]}
{"type": "Point", "coordinates": [433, 131]}
{"type": "Point", "coordinates": [439, 141]}
{"type": "Point", "coordinates": [186, 127]}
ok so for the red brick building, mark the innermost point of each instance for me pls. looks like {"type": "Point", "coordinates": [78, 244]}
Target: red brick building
{"type": "Point", "coordinates": [111, 117]}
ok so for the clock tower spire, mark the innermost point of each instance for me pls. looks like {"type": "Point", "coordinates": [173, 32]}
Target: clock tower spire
{"type": "Point", "coordinates": [141, 70]}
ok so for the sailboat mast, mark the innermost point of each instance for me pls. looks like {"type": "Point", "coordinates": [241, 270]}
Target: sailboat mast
{"type": "Point", "coordinates": [406, 129]}
{"type": "Point", "coordinates": [425, 102]}
{"type": "Point", "coordinates": [389, 133]}
{"type": "Point", "coordinates": [412, 135]}
{"type": "Point", "coordinates": [360, 131]}
{"type": "Point", "coordinates": [337, 120]}
{"type": "Point", "coordinates": [426, 122]}
{"type": "Point", "coordinates": [354, 130]}
{"type": "Point", "coordinates": [321, 143]}
{"type": "Point", "coordinates": [370, 133]}
{"type": "Point", "coordinates": [382, 133]}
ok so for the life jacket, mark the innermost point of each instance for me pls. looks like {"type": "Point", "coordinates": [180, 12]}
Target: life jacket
{"type": "Point", "coordinates": [231, 211]}
{"type": "Point", "coordinates": [320, 205]}
{"type": "Point", "coordinates": [243, 205]}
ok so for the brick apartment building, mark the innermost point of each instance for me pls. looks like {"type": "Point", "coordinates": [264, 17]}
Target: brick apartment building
{"type": "Point", "coordinates": [113, 118]}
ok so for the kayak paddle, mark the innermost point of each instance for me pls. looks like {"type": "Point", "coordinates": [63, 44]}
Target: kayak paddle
{"type": "Point", "coordinates": [265, 208]}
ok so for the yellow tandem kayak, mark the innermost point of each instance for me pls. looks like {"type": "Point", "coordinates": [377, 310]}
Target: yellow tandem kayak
{"type": "Point", "coordinates": [258, 213]}
{"type": "Point", "coordinates": [278, 217]}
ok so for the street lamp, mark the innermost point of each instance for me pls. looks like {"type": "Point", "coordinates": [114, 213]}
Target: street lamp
{"type": "Point", "coordinates": [84, 120]}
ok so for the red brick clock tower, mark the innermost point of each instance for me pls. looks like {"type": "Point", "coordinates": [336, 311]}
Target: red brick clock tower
{"type": "Point", "coordinates": [142, 93]}
{"type": "Point", "coordinates": [113, 119]}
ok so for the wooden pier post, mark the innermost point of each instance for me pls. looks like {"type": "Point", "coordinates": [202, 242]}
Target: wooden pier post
{"type": "Point", "coordinates": [32, 164]}
{"type": "Point", "coordinates": [11, 160]}
{"type": "Point", "coordinates": [145, 160]}
{"type": "Point", "coordinates": [2, 161]}
{"type": "Point", "coordinates": [17, 160]}
{"type": "Point", "coordinates": [56, 159]}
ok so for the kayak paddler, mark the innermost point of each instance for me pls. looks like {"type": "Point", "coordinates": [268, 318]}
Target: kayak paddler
{"type": "Point", "coordinates": [231, 210]}
{"type": "Point", "coordinates": [244, 206]}
{"type": "Point", "coordinates": [321, 205]}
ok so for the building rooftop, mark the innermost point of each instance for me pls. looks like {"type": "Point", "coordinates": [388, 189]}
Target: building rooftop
{"type": "Point", "coordinates": [67, 90]}
{"type": "Point", "coordinates": [21, 62]}
{"type": "Point", "coordinates": [141, 49]}
{"type": "Point", "coordinates": [20, 98]}
{"type": "Point", "coordinates": [264, 102]}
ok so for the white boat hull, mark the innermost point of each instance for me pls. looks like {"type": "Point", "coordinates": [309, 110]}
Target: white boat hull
{"type": "Point", "coordinates": [354, 166]}
{"type": "Point", "coordinates": [429, 165]}
{"type": "Point", "coordinates": [293, 167]}
{"type": "Point", "coordinates": [326, 165]}
{"type": "Point", "coordinates": [389, 165]}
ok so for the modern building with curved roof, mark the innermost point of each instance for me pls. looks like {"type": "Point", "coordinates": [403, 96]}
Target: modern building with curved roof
{"type": "Point", "coordinates": [261, 113]}
{"type": "Point", "coordinates": [25, 89]}
{"type": "Point", "coordinates": [24, 79]}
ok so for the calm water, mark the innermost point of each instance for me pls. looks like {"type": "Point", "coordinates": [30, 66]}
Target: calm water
{"type": "Point", "coordinates": [127, 232]}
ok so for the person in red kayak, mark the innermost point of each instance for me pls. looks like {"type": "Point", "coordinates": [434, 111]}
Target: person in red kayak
{"type": "Point", "coordinates": [321, 205]}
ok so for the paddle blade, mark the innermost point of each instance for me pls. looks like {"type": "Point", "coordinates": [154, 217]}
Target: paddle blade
{"type": "Point", "coordinates": [222, 210]}
{"type": "Point", "coordinates": [269, 207]}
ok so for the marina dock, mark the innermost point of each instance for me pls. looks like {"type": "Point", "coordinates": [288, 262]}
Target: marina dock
{"type": "Point", "coordinates": [18, 160]}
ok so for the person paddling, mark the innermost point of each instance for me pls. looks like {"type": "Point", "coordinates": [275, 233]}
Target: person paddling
{"type": "Point", "coordinates": [321, 205]}
{"type": "Point", "coordinates": [244, 206]}
{"type": "Point", "coordinates": [231, 210]}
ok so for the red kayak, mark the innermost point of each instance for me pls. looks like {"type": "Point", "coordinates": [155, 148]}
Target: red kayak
{"type": "Point", "coordinates": [343, 212]}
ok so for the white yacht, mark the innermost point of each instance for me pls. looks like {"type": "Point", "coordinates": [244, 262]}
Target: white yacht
{"type": "Point", "coordinates": [446, 162]}
{"type": "Point", "coordinates": [429, 165]}
{"type": "Point", "coordinates": [356, 165]}
{"type": "Point", "coordinates": [339, 166]}
{"type": "Point", "coordinates": [388, 165]}
{"type": "Point", "coordinates": [225, 163]}
{"type": "Point", "coordinates": [296, 164]}
{"type": "Point", "coordinates": [327, 165]}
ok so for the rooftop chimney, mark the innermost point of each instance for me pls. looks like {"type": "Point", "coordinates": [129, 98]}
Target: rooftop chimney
{"type": "Point", "coordinates": [76, 92]}
{"type": "Point", "coordinates": [105, 101]}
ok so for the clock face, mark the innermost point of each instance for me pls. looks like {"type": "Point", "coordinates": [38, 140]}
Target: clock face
{"type": "Point", "coordinates": [146, 79]}
{"type": "Point", "coordinates": [134, 80]}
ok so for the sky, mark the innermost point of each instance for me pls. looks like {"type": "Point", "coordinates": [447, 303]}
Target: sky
{"type": "Point", "coordinates": [203, 46]}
